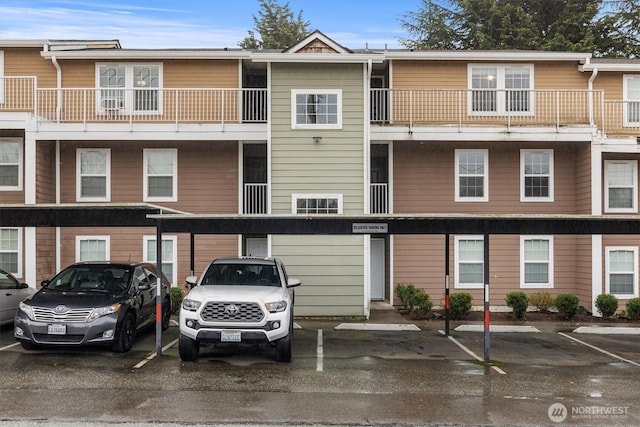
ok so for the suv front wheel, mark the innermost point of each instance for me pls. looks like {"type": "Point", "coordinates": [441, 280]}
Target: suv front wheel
{"type": "Point", "coordinates": [189, 349]}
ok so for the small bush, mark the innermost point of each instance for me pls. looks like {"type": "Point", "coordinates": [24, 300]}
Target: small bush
{"type": "Point", "coordinates": [567, 304]}
{"type": "Point", "coordinates": [607, 304]}
{"type": "Point", "coordinates": [633, 308]}
{"type": "Point", "coordinates": [176, 299]}
{"type": "Point", "coordinates": [460, 303]}
{"type": "Point", "coordinates": [518, 301]}
{"type": "Point", "coordinates": [422, 303]}
{"type": "Point", "coordinates": [542, 301]}
{"type": "Point", "coordinates": [405, 294]}
{"type": "Point", "coordinates": [413, 300]}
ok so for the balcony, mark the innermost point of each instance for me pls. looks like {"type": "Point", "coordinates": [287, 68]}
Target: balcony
{"type": "Point", "coordinates": [255, 198]}
{"type": "Point", "coordinates": [379, 194]}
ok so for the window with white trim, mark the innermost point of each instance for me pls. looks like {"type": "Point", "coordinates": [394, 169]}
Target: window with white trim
{"type": "Point", "coordinates": [160, 175]}
{"type": "Point", "coordinates": [621, 186]}
{"type": "Point", "coordinates": [316, 109]}
{"type": "Point", "coordinates": [2, 84]}
{"type": "Point", "coordinates": [472, 175]}
{"type": "Point", "coordinates": [622, 271]}
{"type": "Point", "coordinates": [10, 250]}
{"type": "Point", "coordinates": [469, 262]}
{"type": "Point", "coordinates": [631, 89]}
{"type": "Point", "coordinates": [92, 248]}
{"type": "Point", "coordinates": [169, 255]}
{"type": "Point", "coordinates": [500, 89]}
{"type": "Point", "coordinates": [316, 203]}
{"type": "Point", "coordinates": [536, 261]}
{"type": "Point", "coordinates": [93, 175]}
{"type": "Point", "coordinates": [11, 164]}
{"type": "Point", "coordinates": [129, 88]}
{"type": "Point", "coordinates": [536, 175]}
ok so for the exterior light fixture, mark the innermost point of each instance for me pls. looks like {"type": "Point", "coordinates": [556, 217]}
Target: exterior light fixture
{"type": "Point", "coordinates": [317, 139]}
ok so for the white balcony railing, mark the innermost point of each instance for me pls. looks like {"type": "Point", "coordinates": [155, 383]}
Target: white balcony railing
{"type": "Point", "coordinates": [18, 94]}
{"type": "Point", "coordinates": [255, 198]}
{"type": "Point", "coordinates": [379, 194]}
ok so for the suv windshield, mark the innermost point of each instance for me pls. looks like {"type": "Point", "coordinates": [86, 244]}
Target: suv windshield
{"type": "Point", "coordinates": [241, 274]}
{"type": "Point", "coordinates": [108, 278]}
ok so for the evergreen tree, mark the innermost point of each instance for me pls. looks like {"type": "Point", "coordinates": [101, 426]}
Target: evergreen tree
{"type": "Point", "coordinates": [618, 31]}
{"type": "Point", "coordinates": [276, 26]}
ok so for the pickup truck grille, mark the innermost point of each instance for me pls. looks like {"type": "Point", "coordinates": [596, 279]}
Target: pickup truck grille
{"type": "Point", "coordinates": [228, 311]}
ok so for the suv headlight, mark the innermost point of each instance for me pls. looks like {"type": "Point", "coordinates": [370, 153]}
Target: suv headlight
{"type": "Point", "coordinates": [102, 311]}
{"type": "Point", "coordinates": [26, 309]}
{"type": "Point", "coordinates": [190, 305]}
{"type": "Point", "coordinates": [276, 307]}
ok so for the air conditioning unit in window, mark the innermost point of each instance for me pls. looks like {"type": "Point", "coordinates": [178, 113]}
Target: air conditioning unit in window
{"type": "Point", "coordinates": [110, 104]}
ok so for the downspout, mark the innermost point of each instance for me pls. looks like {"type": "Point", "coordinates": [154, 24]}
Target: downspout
{"type": "Point", "coordinates": [594, 74]}
{"type": "Point", "coordinates": [54, 61]}
{"type": "Point", "coordinates": [58, 239]}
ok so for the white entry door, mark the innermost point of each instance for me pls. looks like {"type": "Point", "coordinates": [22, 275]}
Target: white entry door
{"type": "Point", "coordinates": [376, 269]}
{"type": "Point", "coordinates": [258, 247]}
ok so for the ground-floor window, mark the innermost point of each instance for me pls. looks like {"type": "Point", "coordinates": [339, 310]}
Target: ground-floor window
{"type": "Point", "coordinates": [622, 271]}
{"type": "Point", "coordinates": [469, 262]}
{"type": "Point", "coordinates": [92, 248]}
{"type": "Point", "coordinates": [10, 250]}
{"type": "Point", "coordinates": [169, 255]}
{"type": "Point", "coordinates": [536, 261]}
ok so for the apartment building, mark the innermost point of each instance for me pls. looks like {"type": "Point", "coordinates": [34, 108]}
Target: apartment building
{"type": "Point", "coordinates": [321, 129]}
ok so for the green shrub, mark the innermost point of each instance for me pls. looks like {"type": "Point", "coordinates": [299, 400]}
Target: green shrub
{"type": "Point", "coordinates": [518, 301]}
{"type": "Point", "coordinates": [176, 299]}
{"type": "Point", "coordinates": [567, 304]}
{"type": "Point", "coordinates": [413, 299]}
{"type": "Point", "coordinates": [422, 303]}
{"type": "Point", "coordinates": [633, 308]}
{"type": "Point", "coordinates": [460, 303]}
{"type": "Point", "coordinates": [543, 301]}
{"type": "Point", "coordinates": [607, 304]}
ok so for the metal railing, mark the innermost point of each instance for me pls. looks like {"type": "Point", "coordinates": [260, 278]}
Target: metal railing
{"type": "Point", "coordinates": [255, 198]}
{"type": "Point", "coordinates": [621, 117]}
{"type": "Point", "coordinates": [379, 194]}
{"type": "Point", "coordinates": [18, 94]}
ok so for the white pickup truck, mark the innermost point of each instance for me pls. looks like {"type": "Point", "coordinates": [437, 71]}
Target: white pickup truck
{"type": "Point", "coordinates": [238, 301]}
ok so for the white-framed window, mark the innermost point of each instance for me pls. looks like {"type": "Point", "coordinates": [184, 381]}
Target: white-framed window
{"type": "Point", "coordinates": [469, 262]}
{"type": "Point", "coordinates": [93, 175]}
{"type": "Point", "coordinates": [500, 89]}
{"type": "Point", "coordinates": [536, 261]}
{"type": "Point", "coordinates": [316, 109]}
{"type": "Point", "coordinates": [631, 90]}
{"type": "Point", "coordinates": [536, 175]}
{"type": "Point", "coordinates": [93, 248]}
{"type": "Point", "coordinates": [316, 203]}
{"type": "Point", "coordinates": [169, 255]}
{"type": "Point", "coordinates": [11, 250]}
{"type": "Point", "coordinates": [472, 176]}
{"type": "Point", "coordinates": [621, 186]}
{"type": "Point", "coordinates": [129, 88]}
{"type": "Point", "coordinates": [11, 164]}
{"type": "Point", "coordinates": [2, 85]}
{"type": "Point", "coordinates": [160, 175]}
{"type": "Point", "coordinates": [622, 271]}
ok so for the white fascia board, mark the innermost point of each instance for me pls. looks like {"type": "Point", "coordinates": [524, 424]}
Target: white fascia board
{"type": "Point", "coordinates": [496, 55]}
{"type": "Point", "coordinates": [116, 54]}
{"type": "Point", "coordinates": [610, 67]}
{"type": "Point", "coordinates": [316, 58]}
{"type": "Point", "coordinates": [23, 43]}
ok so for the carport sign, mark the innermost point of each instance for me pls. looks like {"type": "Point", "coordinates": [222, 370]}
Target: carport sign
{"type": "Point", "coordinates": [369, 228]}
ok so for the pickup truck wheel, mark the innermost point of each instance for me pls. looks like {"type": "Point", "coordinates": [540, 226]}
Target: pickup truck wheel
{"type": "Point", "coordinates": [189, 349]}
{"type": "Point", "coordinates": [283, 349]}
{"type": "Point", "coordinates": [126, 334]}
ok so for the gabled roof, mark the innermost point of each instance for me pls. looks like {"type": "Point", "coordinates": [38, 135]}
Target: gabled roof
{"type": "Point", "coordinates": [317, 42]}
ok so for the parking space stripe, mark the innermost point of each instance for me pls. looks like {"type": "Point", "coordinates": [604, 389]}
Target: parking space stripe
{"type": "Point", "coordinates": [7, 347]}
{"type": "Point", "coordinates": [154, 354]}
{"type": "Point", "coordinates": [320, 353]}
{"type": "Point", "coordinates": [471, 353]}
{"type": "Point", "coordinates": [615, 356]}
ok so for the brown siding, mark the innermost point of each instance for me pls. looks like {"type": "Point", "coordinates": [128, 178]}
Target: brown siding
{"type": "Point", "coordinates": [28, 62]}
{"type": "Point", "coordinates": [45, 172]}
{"type": "Point", "coordinates": [201, 74]}
{"type": "Point", "coordinates": [45, 254]}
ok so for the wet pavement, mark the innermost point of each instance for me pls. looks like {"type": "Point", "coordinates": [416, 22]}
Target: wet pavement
{"type": "Point", "coordinates": [338, 377]}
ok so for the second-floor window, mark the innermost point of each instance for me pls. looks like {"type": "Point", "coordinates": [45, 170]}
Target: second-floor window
{"type": "Point", "coordinates": [129, 88]}
{"type": "Point", "coordinates": [472, 176]}
{"type": "Point", "coordinates": [93, 175]}
{"type": "Point", "coordinates": [500, 90]}
{"type": "Point", "coordinates": [316, 109]}
{"type": "Point", "coordinates": [316, 203]}
{"type": "Point", "coordinates": [621, 178]}
{"type": "Point", "coordinates": [632, 100]}
{"type": "Point", "coordinates": [160, 175]}
{"type": "Point", "coordinates": [92, 248]}
{"type": "Point", "coordinates": [10, 164]}
{"type": "Point", "coordinates": [536, 175]}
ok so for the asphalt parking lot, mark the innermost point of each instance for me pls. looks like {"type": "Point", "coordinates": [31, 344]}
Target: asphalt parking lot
{"type": "Point", "coordinates": [343, 373]}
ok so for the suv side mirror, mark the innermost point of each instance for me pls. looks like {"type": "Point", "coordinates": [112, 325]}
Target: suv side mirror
{"type": "Point", "coordinates": [191, 282]}
{"type": "Point", "coordinates": [293, 282]}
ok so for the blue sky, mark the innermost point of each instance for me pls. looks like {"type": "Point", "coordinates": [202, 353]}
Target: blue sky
{"type": "Point", "coordinates": [197, 23]}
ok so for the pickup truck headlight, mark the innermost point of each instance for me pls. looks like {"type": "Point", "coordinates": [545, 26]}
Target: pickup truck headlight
{"type": "Point", "coordinates": [276, 307]}
{"type": "Point", "coordinates": [103, 311]}
{"type": "Point", "coordinates": [26, 309]}
{"type": "Point", "coordinates": [190, 305]}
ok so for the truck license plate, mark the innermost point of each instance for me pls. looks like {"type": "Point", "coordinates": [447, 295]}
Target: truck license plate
{"type": "Point", "coordinates": [231, 336]}
{"type": "Point", "coordinates": [57, 329]}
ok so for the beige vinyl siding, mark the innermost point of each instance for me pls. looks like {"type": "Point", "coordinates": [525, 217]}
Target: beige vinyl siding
{"type": "Point", "coordinates": [45, 254]}
{"type": "Point", "coordinates": [28, 62]}
{"type": "Point", "coordinates": [331, 267]}
{"type": "Point", "coordinates": [45, 172]}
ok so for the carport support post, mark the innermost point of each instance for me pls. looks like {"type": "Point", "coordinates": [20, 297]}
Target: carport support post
{"type": "Point", "coordinates": [486, 300]}
{"type": "Point", "coordinates": [159, 288]}
{"type": "Point", "coordinates": [447, 303]}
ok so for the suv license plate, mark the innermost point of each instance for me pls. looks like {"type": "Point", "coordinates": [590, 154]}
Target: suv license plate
{"type": "Point", "coordinates": [231, 336]}
{"type": "Point", "coordinates": [57, 329]}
